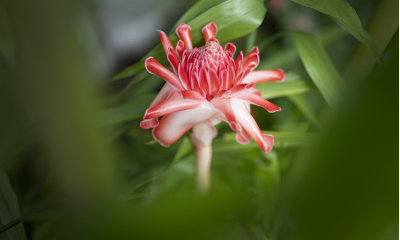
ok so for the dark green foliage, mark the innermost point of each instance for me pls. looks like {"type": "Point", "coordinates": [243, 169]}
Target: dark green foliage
{"type": "Point", "coordinates": [76, 165]}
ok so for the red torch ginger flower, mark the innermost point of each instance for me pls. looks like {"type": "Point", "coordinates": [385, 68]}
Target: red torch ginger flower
{"type": "Point", "coordinates": [206, 86]}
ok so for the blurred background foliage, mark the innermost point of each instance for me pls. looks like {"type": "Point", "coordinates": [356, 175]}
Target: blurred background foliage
{"type": "Point", "coordinates": [76, 165]}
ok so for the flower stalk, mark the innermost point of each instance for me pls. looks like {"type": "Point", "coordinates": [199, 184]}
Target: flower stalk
{"type": "Point", "coordinates": [202, 136]}
{"type": "Point", "coordinates": [203, 168]}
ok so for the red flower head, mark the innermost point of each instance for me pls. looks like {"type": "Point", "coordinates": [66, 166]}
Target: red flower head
{"type": "Point", "coordinates": [207, 85]}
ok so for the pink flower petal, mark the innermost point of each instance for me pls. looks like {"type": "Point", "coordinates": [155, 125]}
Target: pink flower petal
{"type": "Point", "coordinates": [251, 62]}
{"type": "Point", "coordinates": [183, 77]}
{"type": "Point", "coordinates": [253, 98]}
{"type": "Point", "coordinates": [173, 60]}
{"type": "Point", "coordinates": [149, 123]}
{"type": "Point", "coordinates": [174, 103]}
{"type": "Point", "coordinates": [242, 75]}
{"type": "Point", "coordinates": [239, 64]}
{"type": "Point", "coordinates": [165, 41]}
{"type": "Point", "coordinates": [173, 126]}
{"type": "Point", "coordinates": [223, 105]}
{"type": "Point", "coordinates": [245, 119]}
{"type": "Point", "coordinates": [214, 82]}
{"type": "Point", "coordinates": [193, 96]}
{"type": "Point", "coordinates": [204, 81]}
{"type": "Point", "coordinates": [162, 96]}
{"type": "Point", "coordinates": [231, 76]}
{"type": "Point", "coordinates": [154, 67]}
{"type": "Point", "coordinates": [224, 80]}
{"type": "Point", "coordinates": [255, 77]}
{"type": "Point", "coordinates": [230, 47]}
{"type": "Point", "coordinates": [237, 89]}
{"type": "Point", "coordinates": [184, 59]}
{"type": "Point", "coordinates": [180, 48]}
{"type": "Point", "coordinates": [195, 83]}
{"type": "Point", "coordinates": [243, 137]}
{"type": "Point", "coordinates": [253, 51]}
{"type": "Point", "coordinates": [183, 31]}
{"type": "Point", "coordinates": [209, 31]}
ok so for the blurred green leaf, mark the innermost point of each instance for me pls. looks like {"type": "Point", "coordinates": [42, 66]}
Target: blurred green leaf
{"type": "Point", "coordinates": [6, 41]}
{"type": "Point", "coordinates": [347, 185]}
{"type": "Point", "coordinates": [234, 18]}
{"type": "Point", "coordinates": [197, 9]}
{"type": "Point", "coordinates": [139, 77]}
{"type": "Point", "coordinates": [382, 27]}
{"type": "Point", "coordinates": [250, 41]}
{"type": "Point", "coordinates": [9, 208]}
{"type": "Point", "coordinates": [128, 111]}
{"type": "Point", "coordinates": [346, 17]}
{"type": "Point", "coordinates": [184, 148]}
{"type": "Point", "coordinates": [44, 214]}
{"type": "Point", "coordinates": [305, 108]}
{"type": "Point", "coordinates": [282, 139]}
{"type": "Point", "coordinates": [285, 57]}
{"type": "Point", "coordinates": [319, 67]}
{"type": "Point", "coordinates": [293, 84]}
{"type": "Point", "coordinates": [267, 181]}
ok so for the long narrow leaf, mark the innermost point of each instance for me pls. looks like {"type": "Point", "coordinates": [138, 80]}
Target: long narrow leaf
{"type": "Point", "coordinates": [9, 208]}
{"type": "Point", "coordinates": [44, 214]}
{"type": "Point", "coordinates": [303, 105]}
{"type": "Point", "coordinates": [346, 17]}
{"type": "Point", "coordinates": [382, 27]}
{"type": "Point", "coordinates": [293, 84]}
{"type": "Point", "coordinates": [319, 67]}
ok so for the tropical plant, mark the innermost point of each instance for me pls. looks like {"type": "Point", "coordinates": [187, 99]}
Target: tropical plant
{"type": "Point", "coordinates": [75, 163]}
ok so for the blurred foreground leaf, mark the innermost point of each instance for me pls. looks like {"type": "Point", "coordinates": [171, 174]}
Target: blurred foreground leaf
{"type": "Point", "coordinates": [346, 186]}
{"type": "Point", "coordinates": [319, 67]}
{"type": "Point", "coordinates": [234, 18]}
{"type": "Point", "coordinates": [346, 17]}
{"type": "Point", "coordinates": [178, 215]}
{"type": "Point", "coordinates": [9, 208]}
{"type": "Point", "coordinates": [44, 214]}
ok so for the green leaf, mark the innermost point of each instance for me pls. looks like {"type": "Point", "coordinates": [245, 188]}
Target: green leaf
{"type": "Point", "coordinates": [282, 139]}
{"type": "Point", "coordinates": [197, 9]}
{"type": "Point", "coordinates": [234, 18]}
{"type": "Point", "coordinates": [346, 17]}
{"type": "Point", "coordinates": [319, 67]}
{"type": "Point", "coordinates": [185, 148]}
{"type": "Point", "coordinates": [9, 208]}
{"type": "Point", "coordinates": [129, 111]}
{"type": "Point", "coordinates": [286, 57]}
{"type": "Point", "coordinates": [6, 40]}
{"type": "Point", "coordinates": [293, 84]}
{"type": "Point", "coordinates": [343, 174]}
{"type": "Point", "coordinates": [250, 41]}
{"type": "Point", "coordinates": [305, 108]}
{"type": "Point", "coordinates": [44, 214]}
{"type": "Point", "coordinates": [382, 27]}
{"type": "Point", "coordinates": [267, 181]}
